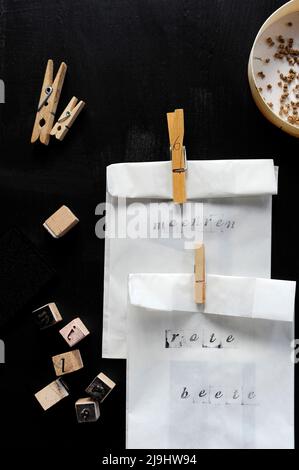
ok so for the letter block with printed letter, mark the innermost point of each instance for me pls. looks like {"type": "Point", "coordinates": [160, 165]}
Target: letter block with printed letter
{"type": "Point", "coordinates": [46, 316]}
{"type": "Point", "coordinates": [74, 332]}
{"type": "Point", "coordinates": [68, 362]}
{"type": "Point", "coordinates": [87, 410]}
{"type": "Point", "coordinates": [100, 387]}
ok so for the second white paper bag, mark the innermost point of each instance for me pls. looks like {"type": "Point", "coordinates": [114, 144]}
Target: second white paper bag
{"type": "Point", "coordinates": [202, 381]}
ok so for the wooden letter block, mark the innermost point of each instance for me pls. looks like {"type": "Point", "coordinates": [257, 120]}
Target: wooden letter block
{"type": "Point", "coordinates": [61, 222]}
{"type": "Point", "coordinates": [52, 394]}
{"type": "Point", "coordinates": [87, 410]}
{"type": "Point", "coordinates": [67, 362]}
{"type": "Point", "coordinates": [100, 387]}
{"type": "Point", "coordinates": [46, 316]}
{"type": "Point", "coordinates": [74, 332]}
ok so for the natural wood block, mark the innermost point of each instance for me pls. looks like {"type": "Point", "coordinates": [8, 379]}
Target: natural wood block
{"type": "Point", "coordinates": [52, 394]}
{"type": "Point", "coordinates": [87, 410]}
{"type": "Point", "coordinates": [47, 315]}
{"type": "Point", "coordinates": [68, 362]}
{"type": "Point", "coordinates": [60, 222]}
{"type": "Point", "coordinates": [74, 332]}
{"type": "Point", "coordinates": [100, 387]}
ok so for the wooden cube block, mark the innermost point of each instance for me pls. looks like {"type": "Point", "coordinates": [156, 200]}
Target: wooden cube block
{"type": "Point", "coordinates": [46, 316]}
{"type": "Point", "coordinates": [60, 222]}
{"type": "Point", "coordinates": [100, 387]}
{"type": "Point", "coordinates": [52, 394]}
{"type": "Point", "coordinates": [68, 362]}
{"type": "Point", "coordinates": [87, 410]}
{"type": "Point", "coordinates": [74, 332]}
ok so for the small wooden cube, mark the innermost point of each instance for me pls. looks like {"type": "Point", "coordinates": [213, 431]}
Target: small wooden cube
{"type": "Point", "coordinates": [68, 362]}
{"type": "Point", "coordinates": [100, 387]}
{"type": "Point", "coordinates": [87, 410]}
{"type": "Point", "coordinates": [52, 394]}
{"type": "Point", "coordinates": [60, 222]}
{"type": "Point", "coordinates": [46, 316]}
{"type": "Point", "coordinates": [74, 332]}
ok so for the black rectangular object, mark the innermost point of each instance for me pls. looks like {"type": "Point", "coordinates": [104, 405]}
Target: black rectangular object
{"type": "Point", "coordinates": [23, 272]}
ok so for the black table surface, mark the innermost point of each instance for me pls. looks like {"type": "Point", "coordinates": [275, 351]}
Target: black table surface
{"type": "Point", "coordinates": [131, 61]}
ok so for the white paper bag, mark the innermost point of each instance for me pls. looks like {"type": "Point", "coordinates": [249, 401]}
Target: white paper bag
{"type": "Point", "coordinates": [202, 381]}
{"type": "Point", "coordinates": [230, 210]}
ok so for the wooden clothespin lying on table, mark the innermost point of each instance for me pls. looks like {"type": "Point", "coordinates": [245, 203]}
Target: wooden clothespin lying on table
{"type": "Point", "coordinates": [67, 118]}
{"type": "Point", "coordinates": [178, 154]}
{"type": "Point", "coordinates": [48, 103]}
{"type": "Point", "coordinates": [199, 275]}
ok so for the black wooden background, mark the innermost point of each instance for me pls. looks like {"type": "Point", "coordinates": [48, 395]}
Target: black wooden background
{"type": "Point", "coordinates": [131, 61]}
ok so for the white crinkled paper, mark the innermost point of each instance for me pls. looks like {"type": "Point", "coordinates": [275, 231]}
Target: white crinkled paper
{"type": "Point", "coordinates": [204, 179]}
{"type": "Point", "coordinates": [269, 299]}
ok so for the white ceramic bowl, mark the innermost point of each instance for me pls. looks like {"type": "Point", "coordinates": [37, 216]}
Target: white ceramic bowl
{"type": "Point", "coordinates": [271, 68]}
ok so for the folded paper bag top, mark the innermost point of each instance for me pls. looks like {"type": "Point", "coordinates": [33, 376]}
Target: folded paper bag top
{"type": "Point", "coordinates": [205, 179]}
{"type": "Point", "coordinates": [268, 299]}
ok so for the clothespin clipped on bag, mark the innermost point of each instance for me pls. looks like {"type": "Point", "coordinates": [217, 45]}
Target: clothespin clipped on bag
{"type": "Point", "coordinates": [67, 118]}
{"type": "Point", "coordinates": [199, 275]}
{"type": "Point", "coordinates": [178, 154]}
{"type": "Point", "coordinates": [48, 103]}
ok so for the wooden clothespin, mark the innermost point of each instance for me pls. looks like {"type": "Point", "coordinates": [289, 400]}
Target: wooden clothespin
{"type": "Point", "coordinates": [48, 103]}
{"type": "Point", "coordinates": [67, 118]}
{"type": "Point", "coordinates": [199, 275]}
{"type": "Point", "coordinates": [178, 154]}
